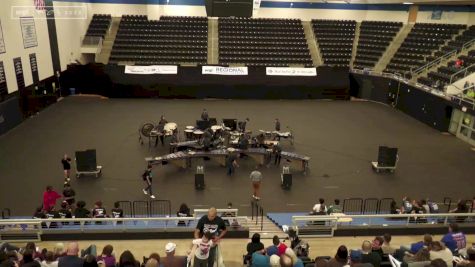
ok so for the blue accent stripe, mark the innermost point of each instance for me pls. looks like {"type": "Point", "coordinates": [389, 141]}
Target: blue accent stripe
{"type": "Point", "coordinates": [279, 4]}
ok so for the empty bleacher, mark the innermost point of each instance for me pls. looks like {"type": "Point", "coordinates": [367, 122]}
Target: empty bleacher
{"type": "Point", "coordinates": [420, 45]}
{"type": "Point", "coordinates": [263, 42]}
{"type": "Point", "coordinates": [170, 40]}
{"type": "Point", "coordinates": [375, 37]}
{"type": "Point", "coordinates": [99, 25]}
{"type": "Point", "coordinates": [335, 40]}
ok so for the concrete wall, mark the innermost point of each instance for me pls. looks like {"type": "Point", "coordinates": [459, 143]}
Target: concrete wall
{"type": "Point", "coordinates": [13, 39]}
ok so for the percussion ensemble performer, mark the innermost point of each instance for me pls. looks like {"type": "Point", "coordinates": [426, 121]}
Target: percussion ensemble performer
{"type": "Point", "coordinates": [66, 161]}
{"type": "Point", "coordinates": [277, 125]}
{"type": "Point", "coordinates": [204, 115]}
{"type": "Point", "coordinates": [147, 177]}
{"type": "Point", "coordinates": [161, 125]}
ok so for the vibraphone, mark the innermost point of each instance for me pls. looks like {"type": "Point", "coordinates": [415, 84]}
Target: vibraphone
{"type": "Point", "coordinates": [299, 162]}
{"type": "Point", "coordinates": [194, 144]}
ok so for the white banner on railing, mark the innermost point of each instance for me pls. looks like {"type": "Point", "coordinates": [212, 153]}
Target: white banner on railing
{"type": "Point", "coordinates": [155, 69]}
{"type": "Point", "coordinates": [218, 70]}
{"type": "Point", "coordinates": [283, 71]}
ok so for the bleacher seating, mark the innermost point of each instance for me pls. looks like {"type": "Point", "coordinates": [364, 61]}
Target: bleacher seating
{"type": "Point", "coordinates": [263, 42]}
{"type": "Point", "coordinates": [335, 40]}
{"type": "Point", "coordinates": [170, 40]}
{"type": "Point", "coordinates": [374, 38]}
{"type": "Point", "coordinates": [99, 25]}
{"type": "Point", "coordinates": [421, 43]}
{"type": "Point", "coordinates": [443, 74]}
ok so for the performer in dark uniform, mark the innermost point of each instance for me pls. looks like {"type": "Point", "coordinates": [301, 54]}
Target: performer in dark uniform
{"type": "Point", "coordinates": [242, 125]}
{"type": "Point", "coordinates": [277, 125]}
{"type": "Point", "coordinates": [277, 153]}
{"type": "Point", "coordinates": [147, 177]}
{"type": "Point", "coordinates": [161, 125]}
{"type": "Point", "coordinates": [204, 115]}
{"type": "Point", "coordinates": [66, 161]}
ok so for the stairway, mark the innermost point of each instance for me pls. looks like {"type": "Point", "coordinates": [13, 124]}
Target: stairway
{"type": "Point", "coordinates": [268, 231]}
{"type": "Point", "coordinates": [213, 42]}
{"type": "Point", "coordinates": [355, 43]}
{"type": "Point", "coordinates": [393, 47]}
{"type": "Point", "coordinates": [312, 43]}
{"type": "Point", "coordinates": [108, 42]}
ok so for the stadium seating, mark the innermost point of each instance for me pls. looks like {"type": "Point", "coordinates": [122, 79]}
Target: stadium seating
{"type": "Point", "coordinates": [374, 38]}
{"type": "Point", "coordinates": [335, 40]}
{"type": "Point", "coordinates": [99, 25]}
{"type": "Point", "coordinates": [263, 42]}
{"type": "Point", "coordinates": [170, 40]}
{"type": "Point", "coordinates": [421, 43]}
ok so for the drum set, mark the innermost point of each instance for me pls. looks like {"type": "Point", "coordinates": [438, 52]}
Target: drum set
{"type": "Point", "coordinates": [151, 131]}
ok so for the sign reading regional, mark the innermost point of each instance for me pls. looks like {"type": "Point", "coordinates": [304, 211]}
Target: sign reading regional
{"type": "Point", "coordinates": [218, 70]}
{"type": "Point", "coordinates": [283, 71]}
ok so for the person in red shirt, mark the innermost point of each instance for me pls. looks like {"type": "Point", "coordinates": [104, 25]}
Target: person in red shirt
{"type": "Point", "coordinates": [49, 198]}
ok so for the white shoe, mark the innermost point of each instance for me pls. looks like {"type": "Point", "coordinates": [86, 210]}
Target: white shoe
{"type": "Point", "coordinates": [253, 196]}
{"type": "Point", "coordinates": [145, 191]}
{"type": "Point", "coordinates": [152, 196]}
{"type": "Point", "coordinates": [258, 198]}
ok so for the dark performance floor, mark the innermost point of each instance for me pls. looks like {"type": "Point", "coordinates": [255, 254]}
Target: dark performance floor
{"type": "Point", "coordinates": [340, 137]}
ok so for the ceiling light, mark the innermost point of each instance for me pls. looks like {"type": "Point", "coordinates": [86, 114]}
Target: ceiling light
{"type": "Point", "coordinates": [407, 3]}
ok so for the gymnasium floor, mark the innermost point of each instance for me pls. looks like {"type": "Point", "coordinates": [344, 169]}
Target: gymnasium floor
{"type": "Point", "coordinates": [340, 137]}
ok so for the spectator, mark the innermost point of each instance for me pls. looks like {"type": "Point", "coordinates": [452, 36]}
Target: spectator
{"type": "Point", "coordinates": [98, 211]}
{"type": "Point", "coordinates": [368, 256]}
{"type": "Point", "coordinates": [356, 258]}
{"type": "Point", "coordinates": [65, 211]}
{"type": "Point", "coordinates": [183, 211]}
{"type": "Point", "coordinates": [202, 251]}
{"type": "Point", "coordinates": [39, 213]}
{"type": "Point", "coordinates": [461, 208]}
{"type": "Point", "coordinates": [127, 259]}
{"type": "Point", "coordinates": [322, 262]}
{"type": "Point", "coordinates": [439, 251]}
{"type": "Point", "coordinates": [455, 240]}
{"type": "Point", "coordinates": [28, 259]}
{"type": "Point", "coordinates": [90, 261]}
{"type": "Point", "coordinates": [438, 263]}
{"type": "Point", "coordinates": [296, 262]}
{"type": "Point", "coordinates": [340, 259]}
{"type": "Point", "coordinates": [49, 198]}
{"type": "Point", "coordinates": [117, 212]}
{"type": "Point", "coordinates": [58, 250]}
{"type": "Point", "coordinates": [260, 259]}
{"type": "Point", "coordinates": [151, 263]}
{"type": "Point", "coordinates": [406, 205]}
{"type": "Point", "coordinates": [470, 261]}
{"type": "Point", "coordinates": [335, 208]}
{"type": "Point", "coordinates": [274, 261]}
{"type": "Point", "coordinates": [215, 225]}
{"type": "Point", "coordinates": [393, 208]}
{"type": "Point", "coordinates": [153, 256]}
{"type": "Point", "coordinates": [433, 207]}
{"type": "Point", "coordinates": [320, 206]}
{"type": "Point", "coordinates": [285, 261]}
{"type": "Point", "coordinates": [81, 211]}
{"type": "Point", "coordinates": [106, 256]}
{"type": "Point", "coordinates": [255, 244]}
{"type": "Point", "coordinates": [170, 259]}
{"type": "Point", "coordinates": [71, 259]}
{"type": "Point", "coordinates": [415, 247]}
{"type": "Point", "coordinates": [376, 245]}
{"type": "Point", "coordinates": [49, 260]}
{"type": "Point", "coordinates": [421, 256]}
{"type": "Point", "coordinates": [31, 246]}
{"type": "Point", "coordinates": [278, 248]}
{"type": "Point", "coordinates": [69, 194]}
{"type": "Point", "coordinates": [300, 247]}
{"type": "Point", "coordinates": [387, 247]}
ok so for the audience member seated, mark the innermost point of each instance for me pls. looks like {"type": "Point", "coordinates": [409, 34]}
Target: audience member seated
{"type": "Point", "coordinates": [71, 259]}
{"type": "Point", "coordinates": [340, 259]}
{"type": "Point", "coordinates": [376, 245]}
{"type": "Point", "coordinates": [369, 256]}
{"type": "Point", "coordinates": [296, 261]}
{"type": "Point", "coordinates": [81, 211]}
{"type": "Point", "coordinates": [335, 208]}
{"type": "Point", "coordinates": [438, 263]}
{"type": "Point", "coordinates": [170, 260]}
{"type": "Point", "coordinates": [322, 262]}
{"type": "Point", "coordinates": [320, 207]}
{"type": "Point", "coordinates": [439, 251]}
{"type": "Point", "coordinates": [127, 259]}
{"type": "Point", "coordinates": [107, 257]}
{"type": "Point", "coordinates": [461, 208]}
{"type": "Point", "coordinates": [300, 247]}
{"type": "Point", "coordinates": [98, 211]}
{"type": "Point", "coordinates": [455, 240]}
{"type": "Point", "coordinates": [183, 211]}
{"type": "Point", "coordinates": [90, 261]}
{"type": "Point", "coordinates": [415, 247]}
{"type": "Point", "coordinates": [278, 248]}
{"type": "Point", "coordinates": [387, 247]}
{"type": "Point", "coordinates": [260, 259]}
{"type": "Point", "coordinates": [470, 260]}
{"type": "Point", "coordinates": [153, 259]}
{"type": "Point", "coordinates": [274, 261]}
{"type": "Point", "coordinates": [28, 259]}
{"type": "Point", "coordinates": [151, 263]}
{"type": "Point", "coordinates": [255, 244]}
{"type": "Point", "coordinates": [356, 258]}
{"type": "Point", "coordinates": [49, 260]}
{"type": "Point", "coordinates": [117, 212]}
{"type": "Point", "coordinates": [422, 255]}
{"type": "Point", "coordinates": [393, 208]}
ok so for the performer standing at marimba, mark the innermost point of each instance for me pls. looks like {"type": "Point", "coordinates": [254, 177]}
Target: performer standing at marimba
{"type": "Point", "coordinates": [147, 177]}
{"type": "Point", "coordinates": [204, 115]}
{"type": "Point", "coordinates": [277, 125]}
{"type": "Point", "coordinates": [161, 125]}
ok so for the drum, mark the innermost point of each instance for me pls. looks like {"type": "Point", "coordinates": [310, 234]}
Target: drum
{"type": "Point", "coordinates": [169, 128]}
{"type": "Point", "coordinates": [189, 134]}
{"type": "Point", "coordinates": [197, 134]}
{"type": "Point", "coordinates": [190, 127]}
{"type": "Point", "coordinates": [216, 128]}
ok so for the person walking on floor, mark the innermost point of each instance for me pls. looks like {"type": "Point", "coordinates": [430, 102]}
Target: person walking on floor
{"type": "Point", "coordinates": [256, 179]}
{"type": "Point", "coordinates": [66, 162]}
{"type": "Point", "coordinates": [147, 177]}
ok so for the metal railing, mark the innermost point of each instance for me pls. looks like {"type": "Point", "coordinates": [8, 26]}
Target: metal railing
{"type": "Point", "coordinates": [332, 222]}
{"type": "Point", "coordinates": [466, 71]}
{"type": "Point", "coordinates": [256, 212]}
{"type": "Point", "coordinates": [462, 99]}
{"type": "Point", "coordinates": [438, 60]}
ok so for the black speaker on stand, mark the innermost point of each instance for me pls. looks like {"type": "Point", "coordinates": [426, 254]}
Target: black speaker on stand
{"type": "Point", "coordinates": [199, 178]}
{"type": "Point", "coordinates": [387, 159]}
{"type": "Point", "coordinates": [286, 178]}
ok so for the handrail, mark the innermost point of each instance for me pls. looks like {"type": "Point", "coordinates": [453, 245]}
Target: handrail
{"type": "Point", "coordinates": [439, 59]}
{"type": "Point", "coordinates": [460, 71]}
{"type": "Point", "coordinates": [84, 220]}
{"type": "Point", "coordinates": [410, 215]}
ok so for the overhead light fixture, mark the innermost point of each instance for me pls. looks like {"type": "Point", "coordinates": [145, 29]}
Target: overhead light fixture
{"type": "Point", "coordinates": [408, 3]}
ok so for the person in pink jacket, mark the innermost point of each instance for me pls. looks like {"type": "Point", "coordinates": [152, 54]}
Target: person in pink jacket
{"type": "Point", "coordinates": [49, 198]}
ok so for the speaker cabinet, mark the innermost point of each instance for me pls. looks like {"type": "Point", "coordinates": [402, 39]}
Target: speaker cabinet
{"type": "Point", "coordinates": [286, 180]}
{"type": "Point", "coordinates": [86, 161]}
{"type": "Point", "coordinates": [199, 181]}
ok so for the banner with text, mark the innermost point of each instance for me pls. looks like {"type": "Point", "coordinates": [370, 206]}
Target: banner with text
{"type": "Point", "coordinates": [218, 70]}
{"type": "Point", "coordinates": [156, 69]}
{"type": "Point", "coordinates": [2, 42]}
{"type": "Point", "coordinates": [283, 71]}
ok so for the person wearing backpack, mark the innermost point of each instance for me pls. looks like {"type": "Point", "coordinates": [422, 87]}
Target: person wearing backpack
{"type": "Point", "coordinates": [147, 177]}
